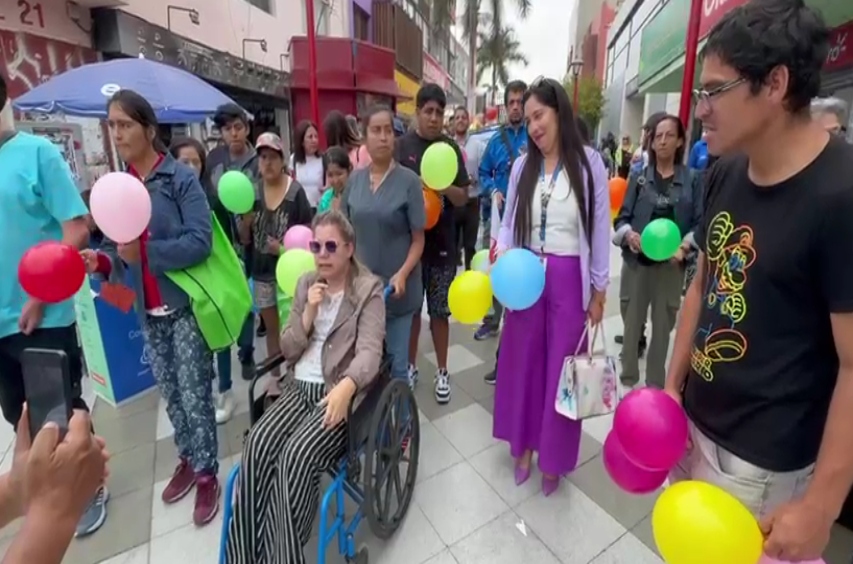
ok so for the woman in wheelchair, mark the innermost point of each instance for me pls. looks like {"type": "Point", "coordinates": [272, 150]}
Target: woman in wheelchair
{"type": "Point", "coordinates": [333, 342]}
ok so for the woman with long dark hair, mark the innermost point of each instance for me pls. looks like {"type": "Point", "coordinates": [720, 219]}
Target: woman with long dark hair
{"type": "Point", "coordinates": [178, 237]}
{"type": "Point", "coordinates": [668, 189]}
{"type": "Point", "coordinates": [558, 207]}
{"type": "Point", "coordinates": [306, 162]}
{"type": "Point", "coordinates": [340, 132]}
{"type": "Point", "coordinates": [191, 152]}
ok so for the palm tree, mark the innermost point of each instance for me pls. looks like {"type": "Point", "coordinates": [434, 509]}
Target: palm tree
{"type": "Point", "coordinates": [496, 52]}
{"type": "Point", "coordinates": [473, 19]}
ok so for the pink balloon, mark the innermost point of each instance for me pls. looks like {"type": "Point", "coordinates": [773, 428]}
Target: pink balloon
{"type": "Point", "coordinates": [625, 473]}
{"type": "Point", "coordinates": [297, 237]}
{"type": "Point", "coordinates": [767, 560]}
{"type": "Point", "coordinates": [652, 429]}
{"type": "Point", "coordinates": [121, 206]}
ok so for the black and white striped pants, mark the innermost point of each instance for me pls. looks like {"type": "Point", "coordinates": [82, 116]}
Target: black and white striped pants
{"type": "Point", "coordinates": [284, 457]}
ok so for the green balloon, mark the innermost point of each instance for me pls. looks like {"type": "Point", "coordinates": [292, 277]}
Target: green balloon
{"type": "Point", "coordinates": [480, 261]}
{"type": "Point", "coordinates": [290, 268]}
{"type": "Point", "coordinates": [660, 239]}
{"type": "Point", "coordinates": [236, 192]}
{"type": "Point", "coordinates": [439, 166]}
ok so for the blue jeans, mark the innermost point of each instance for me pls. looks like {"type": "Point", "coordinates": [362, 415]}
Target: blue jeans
{"type": "Point", "coordinates": [223, 370]}
{"type": "Point", "coordinates": [246, 341]}
{"type": "Point", "coordinates": [397, 332]}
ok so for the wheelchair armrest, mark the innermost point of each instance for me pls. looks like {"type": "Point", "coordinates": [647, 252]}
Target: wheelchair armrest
{"type": "Point", "coordinates": [359, 419]}
{"type": "Point", "coordinates": [261, 370]}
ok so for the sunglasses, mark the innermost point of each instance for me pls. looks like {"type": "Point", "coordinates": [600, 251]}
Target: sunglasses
{"type": "Point", "coordinates": [317, 247]}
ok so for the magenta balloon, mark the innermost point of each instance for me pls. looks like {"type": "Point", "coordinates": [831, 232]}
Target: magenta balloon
{"type": "Point", "coordinates": [652, 429]}
{"type": "Point", "coordinates": [297, 237]}
{"type": "Point", "coordinates": [121, 206]}
{"type": "Point", "coordinates": [625, 473]}
{"type": "Point", "coordinates": [767, 560]}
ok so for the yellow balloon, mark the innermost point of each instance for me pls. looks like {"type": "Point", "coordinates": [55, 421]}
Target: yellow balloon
{"type": "Point", "coordinates": [699, 523]}
{"type": "Point", "coordinates": [470, 296]}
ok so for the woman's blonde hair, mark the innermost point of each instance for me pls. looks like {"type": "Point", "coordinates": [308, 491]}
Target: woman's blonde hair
{"type": "Point", "coordinates": [338, 220]}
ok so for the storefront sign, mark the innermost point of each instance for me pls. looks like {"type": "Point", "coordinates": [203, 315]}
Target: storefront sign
{"type": "Point", "coordinates": [51, 18]}
{"type": "Point", "coordinates": [434, 73]}
{"type": "Point", "coordinates": [713, 11]}
{"type": "Point", "coordinates": [409, 88]}
{"type": "Point", "coordinates": [124, 34]}
{"type": "Point", "coordinates": [840, 48]}
{"type": "Point", "coordinates": [662, 39]}
{"type": "Point", "coordinates": [27, 60]}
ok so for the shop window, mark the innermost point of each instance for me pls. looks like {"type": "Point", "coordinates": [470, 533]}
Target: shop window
{"type": "Point", "coordinates": [265, 5]}
{"type": "Point", "coordinates": [361, 23]}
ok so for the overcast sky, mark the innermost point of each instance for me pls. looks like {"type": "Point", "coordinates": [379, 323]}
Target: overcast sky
{"type": "Point", "coordinates": [544, 38]}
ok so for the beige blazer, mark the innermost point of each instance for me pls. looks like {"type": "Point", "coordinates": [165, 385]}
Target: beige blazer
{"type": "Point", "coordinates": [355, 343]}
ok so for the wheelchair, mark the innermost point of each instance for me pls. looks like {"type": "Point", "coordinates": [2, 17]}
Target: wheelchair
{"type": "Point", "coordinates": [385, 431]}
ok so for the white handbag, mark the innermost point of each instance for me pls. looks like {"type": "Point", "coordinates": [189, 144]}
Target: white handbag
{"type": "Point", "coordinates": [587, 386]}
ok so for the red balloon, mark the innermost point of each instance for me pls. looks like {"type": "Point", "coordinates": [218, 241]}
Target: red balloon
{"type": "Point", "coordinates": [51, 272]}
{"type": "Point", "coordinates": [491, 113]}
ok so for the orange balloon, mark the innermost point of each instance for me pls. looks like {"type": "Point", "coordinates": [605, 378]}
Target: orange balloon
{"type": "Point", "coordinates": [432, 205]}
{"type": "Point", "coordinates": [618, 187]}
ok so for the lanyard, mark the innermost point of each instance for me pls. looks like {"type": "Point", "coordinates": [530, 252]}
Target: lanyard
{"type": "Point", "coordinates": [545, 199]}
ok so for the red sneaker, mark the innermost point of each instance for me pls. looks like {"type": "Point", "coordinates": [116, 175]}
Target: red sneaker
{"type": "Point", "coordinates": [181, 483]}
{"type": "Point", "coordinates": [206, 499]}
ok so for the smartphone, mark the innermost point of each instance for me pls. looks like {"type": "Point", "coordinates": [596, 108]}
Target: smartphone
{"type": "Point", "coordinates": [47, 387]}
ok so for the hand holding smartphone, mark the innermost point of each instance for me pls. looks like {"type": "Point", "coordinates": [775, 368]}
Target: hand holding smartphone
{"type": "Point", "coordinates": [47, 388]}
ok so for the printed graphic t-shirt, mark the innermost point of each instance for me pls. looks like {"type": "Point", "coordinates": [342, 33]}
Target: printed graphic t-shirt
{"type": "Point", "coordinates": [778, 263]}
{"type": "Point", "coordinates": [440, 241]}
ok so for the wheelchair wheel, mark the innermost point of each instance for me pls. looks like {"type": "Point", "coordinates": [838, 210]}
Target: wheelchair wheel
{"type": "Point", "coordinates": [390, 470]}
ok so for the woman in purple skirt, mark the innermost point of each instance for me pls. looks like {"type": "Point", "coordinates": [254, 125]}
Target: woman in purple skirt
{"type": "Point", "coordinates": [558, 207]}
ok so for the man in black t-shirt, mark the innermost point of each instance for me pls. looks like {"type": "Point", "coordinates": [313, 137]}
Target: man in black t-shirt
{"type": "Point", "coordinates": [763, 355]}
{"type": "Point", "coordinates": [439, 257]}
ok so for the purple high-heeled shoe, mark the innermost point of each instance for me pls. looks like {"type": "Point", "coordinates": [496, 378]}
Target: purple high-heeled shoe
{"type": "Point", "coordinates": [550, 484]}
{"type": "Point", "coordinates": [521, 474]}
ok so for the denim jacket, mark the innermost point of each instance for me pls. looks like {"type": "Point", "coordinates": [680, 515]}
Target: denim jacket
{"type": "Point", "coordinates": [179, 234]}
{"type": "Point", "coordinates": [641, 197]}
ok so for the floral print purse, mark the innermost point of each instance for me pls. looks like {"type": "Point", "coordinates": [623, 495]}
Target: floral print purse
{"type": "Point", "coordinates": [587, 386]}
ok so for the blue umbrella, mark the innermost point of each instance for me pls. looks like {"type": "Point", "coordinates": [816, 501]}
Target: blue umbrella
{"type": "Point", "coordinates": [176, 95]}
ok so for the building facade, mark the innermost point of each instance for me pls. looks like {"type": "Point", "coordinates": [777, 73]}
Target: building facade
{"type": "Point", "coordinates": [645, 56]}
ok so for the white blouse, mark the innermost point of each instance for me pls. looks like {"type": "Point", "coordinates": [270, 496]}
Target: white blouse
{"type": "Point", "coordinates": [562, 227]}
{"type": "Point", "coordinates": [309, 368]}
{"type": "Point", "coordinates": [310, 175]}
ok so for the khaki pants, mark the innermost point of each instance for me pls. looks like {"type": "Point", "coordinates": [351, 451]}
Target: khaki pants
{"type": "Point", "coordinates": [657, 286]}
{"type": "Point", "coordinates": [761, 491]}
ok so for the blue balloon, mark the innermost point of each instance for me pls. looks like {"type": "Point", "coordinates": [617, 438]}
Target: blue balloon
{"type": "Point", "coordinates": [518, 279]}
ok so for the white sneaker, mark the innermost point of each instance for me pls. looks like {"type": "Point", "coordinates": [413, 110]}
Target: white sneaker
{"type": "Point", "coordinates": [442, 386]}
{"type": "Point", "coordinates": [224, 407]}
{"type": "Point", "coordinates": [413, 376]}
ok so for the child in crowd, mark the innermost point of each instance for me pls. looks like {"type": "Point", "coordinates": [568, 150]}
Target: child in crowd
{"type": "Point", "coordinates": [336, 168]}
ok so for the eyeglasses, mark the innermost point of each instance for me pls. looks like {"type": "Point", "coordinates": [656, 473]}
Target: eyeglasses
{"type": "Point", "coordinates": [706, 96]}
{"type": "Point", "coordinates": [317, 247]}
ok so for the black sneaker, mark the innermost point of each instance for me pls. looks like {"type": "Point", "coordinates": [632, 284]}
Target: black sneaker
{"type": "Point", "coordinates": [442, 387]}
{"type": "Point", "coordinates": [247, 370]}
{"type": "Point", "coordinates": [490, 378]}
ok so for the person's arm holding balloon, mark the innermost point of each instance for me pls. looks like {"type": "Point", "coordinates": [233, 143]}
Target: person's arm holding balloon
{"type": "Point", "coordinates": [416, 214]}
{"type": "Point", "coordinates": [624, 234]}
{"type": "Point", "coordinates": [599, 264]}
{"type": "Point", "coordinates": [195, 239]}
{"type": "Point", "coordinates": [61, 198]}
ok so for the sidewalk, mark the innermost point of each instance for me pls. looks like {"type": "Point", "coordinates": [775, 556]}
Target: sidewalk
{"type": "Point", "coordinates": [466, 509]}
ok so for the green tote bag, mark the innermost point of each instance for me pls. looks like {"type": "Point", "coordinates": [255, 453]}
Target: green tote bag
{"type": "Point", "coordinates": [218, 290]}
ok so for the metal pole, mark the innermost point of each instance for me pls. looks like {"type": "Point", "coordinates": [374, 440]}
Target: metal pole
{"type": "Point", "coordinates": [312, 66]}
{"type": "Point", "coordinates": [575, 94]}
{"type": "Point", "coordinates": [691, 46]}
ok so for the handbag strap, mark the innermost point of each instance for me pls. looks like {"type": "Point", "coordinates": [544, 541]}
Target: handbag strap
{"type": "Point", "coordinates": [591, 342]}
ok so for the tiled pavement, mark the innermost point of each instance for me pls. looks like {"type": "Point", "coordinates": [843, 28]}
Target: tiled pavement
{"type": "Point", "coordinates": [466, 509]}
